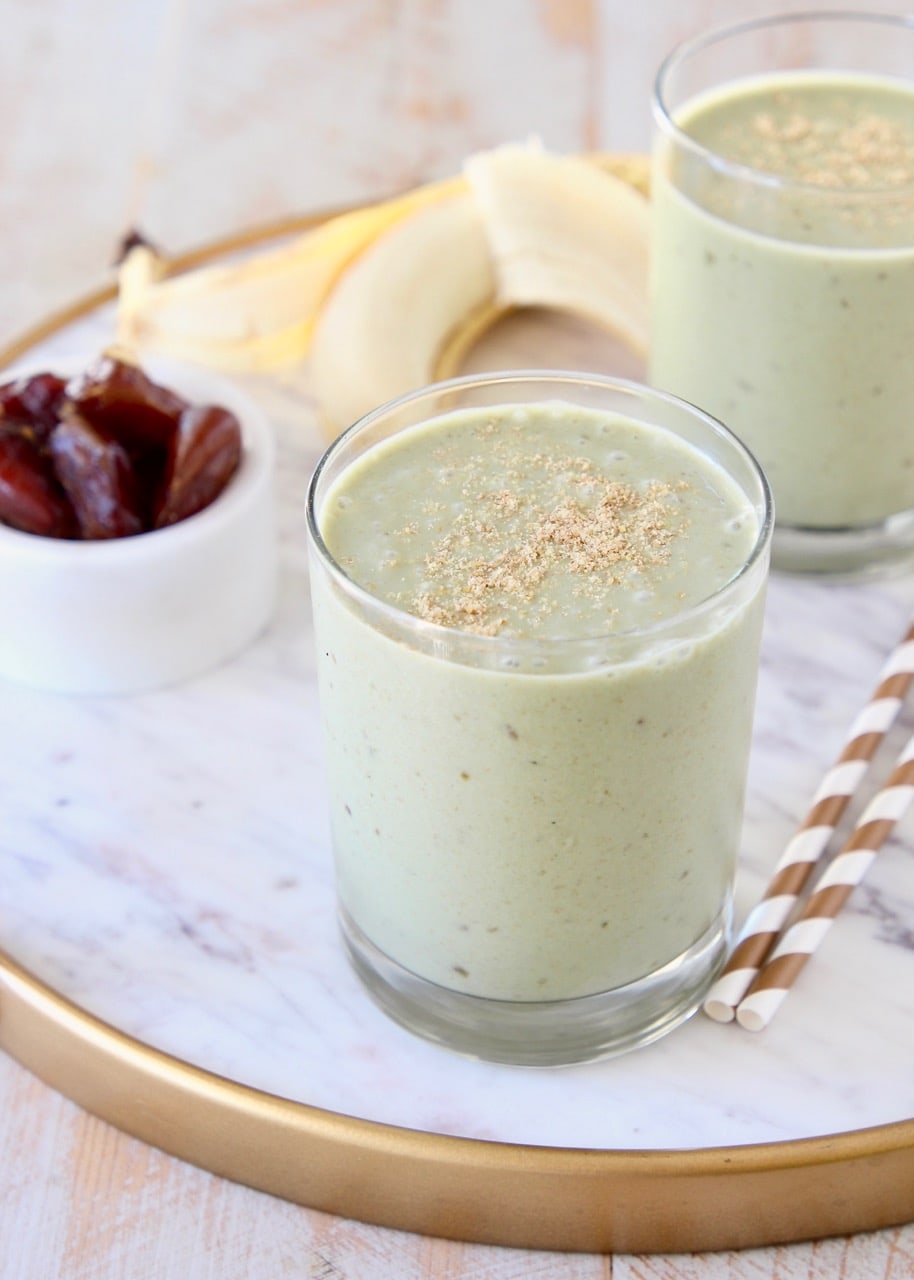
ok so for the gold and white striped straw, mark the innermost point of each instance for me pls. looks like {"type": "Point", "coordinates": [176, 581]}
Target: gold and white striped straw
{"type": "Point", "coordinates": [795, 868]}
{"type": "Point", "coordinates": [832, 890]}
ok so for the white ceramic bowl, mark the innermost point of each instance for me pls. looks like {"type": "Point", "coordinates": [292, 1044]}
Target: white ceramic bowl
{"type": "Point", "coordinates": [131, 614]}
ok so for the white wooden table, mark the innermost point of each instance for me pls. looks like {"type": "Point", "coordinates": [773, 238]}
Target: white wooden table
{"type": "Point", "coordinates": [194, 121]}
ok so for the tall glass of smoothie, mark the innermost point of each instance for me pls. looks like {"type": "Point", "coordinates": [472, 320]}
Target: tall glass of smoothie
{"type": "Point", "coordinates": [783, 268]}
{"type": "Point", "coordinates": [537, 606]}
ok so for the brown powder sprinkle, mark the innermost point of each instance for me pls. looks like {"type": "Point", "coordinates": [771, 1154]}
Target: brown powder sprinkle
{"type": "Point", "coordinates": [872, 151]}
{"type": "Point", "coordinates": [829, 140]}
{"type": "Point", "coordinates": [505, 544]}
{"type": "Point", "coordinates": [842, 142]}
{"type": "Point", "coordinates": [545, 521]}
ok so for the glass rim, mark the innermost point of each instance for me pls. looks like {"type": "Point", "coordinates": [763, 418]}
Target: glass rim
{"type": "Point", "coordinates": [692, 45]}
{"type": "Point", "coordinates": [448, 637]}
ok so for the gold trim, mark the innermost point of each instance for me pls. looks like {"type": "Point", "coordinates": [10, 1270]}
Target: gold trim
{"type": "Point", "coordinates": [460, 343]}
{"type": "Point", "coordinates": [466, 1189]}
{"type": "Point", "coordinates": [197, 257]}
{"type": "Point", "coordinates": [461, 1188]}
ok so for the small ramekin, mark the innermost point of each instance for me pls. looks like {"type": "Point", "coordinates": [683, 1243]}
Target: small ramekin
{"type": "Point", "coordinates": [127, 615]}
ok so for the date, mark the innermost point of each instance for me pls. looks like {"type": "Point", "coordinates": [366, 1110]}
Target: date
{"type": "Point", "coordinates": [109, 453]}
{"type": "Point", "coordinates": [98, 478]}
{"type": "Point", "coordinates": [31, 496]}
{"type": "Point", "coordinates": [122, 401]}
{"type": "Point", "coordinates": [204, 455]}
{"type": "Point", "coordinates": [32, 403]}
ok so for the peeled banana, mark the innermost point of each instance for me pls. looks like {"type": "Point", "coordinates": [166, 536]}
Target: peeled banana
{"type": "Point", "coordinates": [387, 298]}
{"type": "Point", "coordinates": [534, 230]}
{"type": "Point", "coordinates": [382, 327]}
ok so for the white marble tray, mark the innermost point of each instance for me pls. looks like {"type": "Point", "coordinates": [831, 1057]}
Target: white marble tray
{"type": "Point", "coordinates": [165, 864]}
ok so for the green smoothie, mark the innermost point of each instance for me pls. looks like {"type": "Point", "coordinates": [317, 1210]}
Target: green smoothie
{"type": "Point", "coordinates": [544, 799]}
{"type": "Point", "coordinates": [783, 284]}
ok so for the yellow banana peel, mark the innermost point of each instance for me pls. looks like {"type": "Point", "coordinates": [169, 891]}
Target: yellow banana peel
{"type": "Point", "coordinates": [257, 314]}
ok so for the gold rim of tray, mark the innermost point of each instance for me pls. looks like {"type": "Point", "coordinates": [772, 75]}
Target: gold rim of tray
{"type": "Point", "coordinates": [599, 1201]}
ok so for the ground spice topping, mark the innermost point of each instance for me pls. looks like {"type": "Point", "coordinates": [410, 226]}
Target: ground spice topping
{"type": "Point", "coordinates": [843, 145]}
{"type": "Point", "coordinates": [824, 137]}
{"type": "Point", "coordinates": [870, 151]}
{"type": "Point", "coordinates": [506, 544]}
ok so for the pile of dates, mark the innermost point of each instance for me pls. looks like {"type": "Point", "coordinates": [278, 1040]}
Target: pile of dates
{"type": "Point", "coordinates": [108, 453]}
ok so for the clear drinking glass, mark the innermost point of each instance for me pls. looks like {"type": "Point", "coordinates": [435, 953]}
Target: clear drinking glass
{"type": "Point", "coordinates": [535, 838]}
{"type": "Point", "coordinates": [783, 268]}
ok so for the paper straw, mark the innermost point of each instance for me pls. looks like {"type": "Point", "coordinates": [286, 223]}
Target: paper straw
{"type": "Point", "coordinates": [832, 890]}
{"type": "Point", "coordinates": [798, 861]}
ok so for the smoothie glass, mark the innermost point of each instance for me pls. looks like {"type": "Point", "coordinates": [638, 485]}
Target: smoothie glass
{"type": "Point", "coordinates": [535, 839]}
{"type": "Point", "coordinates": [783, 268]}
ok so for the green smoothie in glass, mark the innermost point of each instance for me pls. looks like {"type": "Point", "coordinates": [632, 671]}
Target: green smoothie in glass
{"type": "Point", "coordinates": [783, 278]}
{"type": "Point", "coordinates": [538, 626]}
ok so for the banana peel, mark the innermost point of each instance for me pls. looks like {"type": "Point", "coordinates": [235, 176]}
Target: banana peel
{"type": "Point", "coordinates": [632, 170]}
{"type": "Point", "coordinates": [258, 314]}
{"type": "Point", "coordinates": [566, 234]}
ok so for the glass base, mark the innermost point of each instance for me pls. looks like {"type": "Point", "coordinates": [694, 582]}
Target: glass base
{"type": "Point", "coordinates": [542, 1033]}
{"type": "Point", "coordinates": [874, 550]}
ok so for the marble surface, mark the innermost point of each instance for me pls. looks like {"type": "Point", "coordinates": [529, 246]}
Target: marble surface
{"type": "Point", "coordinates": [165, 862]}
